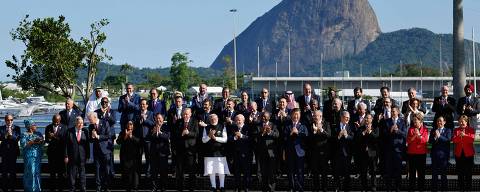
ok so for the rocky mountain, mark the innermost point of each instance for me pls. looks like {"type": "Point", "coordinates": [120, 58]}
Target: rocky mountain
{"type": "Point", "coordinates": [314, 27]}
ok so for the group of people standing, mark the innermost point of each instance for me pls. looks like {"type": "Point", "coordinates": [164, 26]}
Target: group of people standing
{"type": "Point", "coordinates": [223, 136]}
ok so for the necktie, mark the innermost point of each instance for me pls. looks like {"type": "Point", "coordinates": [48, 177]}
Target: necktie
{"type": "Point", "coordinates": [154, 104]}
{"type": "Point", "coordinates": [441, 131]}
{"type": "Point", "coordinates": [264, 103]}
{"type": "Point", "coordinates": [307, 99]}
{"type": "Point", "coordinates": [79, 135]}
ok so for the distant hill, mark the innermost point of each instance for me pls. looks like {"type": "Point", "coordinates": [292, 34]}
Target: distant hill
{"type": "Point", "coordinates": [344, 31]}
{"type": "Point", "coordinates": [334, 28]}
{"type": "Point", "coordinates": [409, 46]}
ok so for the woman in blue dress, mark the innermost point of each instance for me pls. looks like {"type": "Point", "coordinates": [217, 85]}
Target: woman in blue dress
{"type": "Point", "coordinates": [31, 142]}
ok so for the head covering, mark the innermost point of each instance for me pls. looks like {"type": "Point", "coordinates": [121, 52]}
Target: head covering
{"type": "Point", "coordinates": [29, 123]}
{"type": "Point", "coordinates": [468, 86]}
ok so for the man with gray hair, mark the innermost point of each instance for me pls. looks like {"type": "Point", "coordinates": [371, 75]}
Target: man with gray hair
{"type": "Point", "coordinates": [242, 139]}
{"type": "Point", "coordinates": [412, 95]}
{"type": "Point", "coordinates": [343, 137]}
{"type": "Point", "coordinates": [99, 135]}
{"type": "Point", "coordinates": [444, 106]}
{"type": "Point", "coordinates": [70, 113]}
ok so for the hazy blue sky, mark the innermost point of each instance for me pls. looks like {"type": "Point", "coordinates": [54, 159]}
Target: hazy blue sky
{"type": "Point", "coordinates": [146, 33]}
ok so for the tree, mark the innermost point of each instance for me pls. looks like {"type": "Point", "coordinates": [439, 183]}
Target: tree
{"type": "Point", "coordinates": [126, 69]}
{"type": "Point", "coordinates": [96, 53]}
{"type": "Point", "coordinates": [228, 74]}
{"type": "Point", "coordinates": [51, 57]}
{"type": "Point", "coordinates": [180, 72]}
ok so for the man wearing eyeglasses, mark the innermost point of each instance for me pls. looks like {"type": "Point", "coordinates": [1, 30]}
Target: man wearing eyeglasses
{"type": "Point", "coordinates": [9, 137]}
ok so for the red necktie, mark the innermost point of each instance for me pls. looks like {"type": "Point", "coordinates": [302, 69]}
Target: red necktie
{"type": "Point", "coordinates": [79, 135]}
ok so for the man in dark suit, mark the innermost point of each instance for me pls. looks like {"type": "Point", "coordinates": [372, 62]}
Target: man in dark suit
{"type": "Point", "coordinates": [366, 140]}
{"type": "Point", "coordinates": [307, 115]}
{"type": "Point", "coordinates": [444, 106]}
{"type": "Point", "coordinates": [197, 100]}
{"type": "Point", "coordinates": [219, 104]}
{"type": "Point", "coordinates": [343, 136]}
{"type": "Point", "coordinates": [144, 122]}
{"type": "Point", "coordinates": [229, 113]}
{"type": "Point", "coordinates": [55, 138]}
{"type": "Point", "coordinates": [100, 135]}
{"type": "Point", "coordinates": [279, 118]}
{"type": "Point", "coordinates": [394, 145]}
{"type": "Point", "coordinates": [128, 104]}
{"type": "Point", "coordinates": [159, 138]}
{"type": "Point", "coordinates": [202, 118]}
{"type": "Point", "coordinates": [241, 139]}
{"type": "Point", "coordinates": [69, 114]}
{"type": "Point", "coordinates": [379, 104]}
{"type": "Point", "coordinates": [319, 149]}
{"type": "Point", "coordinates": [353, 104]}
{"type": "Point", "coordinates": [9, 137]}
{"type": "Point", "coordinates": [328, 104]}
{"type": "Point", "coordinates": [305, 99]}
{"type": "Point", "coordinates": [412, 95]}
{"type": "Point", "coordinates": [156, 105]}
{"type": "Point", "coordinates": [175, 112]}
{"type": "Point", "coordinates": [264, 103]}
{"type": "Point", "coordinates": [106, 113]}
{"type": "Point", "coordinates": [440, 138]}
{"type": "Point", "coordinates": [77, 151]}
{"type": "Point", "coordinates": [295, 135]}
{"type": "Point", "coordinates": [185, 135]}
{"type": "Point", "coordinates": [469, 106]}
{"type": "Point", "coordinates": [266, 142]}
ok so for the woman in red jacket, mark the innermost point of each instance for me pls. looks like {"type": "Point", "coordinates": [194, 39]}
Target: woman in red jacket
{"type": "Point", "coordinates": [417, 139]}
{"type": "Point", "coordinates": [463, 138]}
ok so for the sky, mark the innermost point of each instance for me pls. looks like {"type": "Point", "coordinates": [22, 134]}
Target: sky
{"type": "Point", "coordinates": [147, 33]}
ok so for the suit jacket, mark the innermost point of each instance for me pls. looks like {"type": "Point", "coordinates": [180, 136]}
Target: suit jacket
{"type": "Point", "coordinates": [142, 126]}
{"type": "Point", "coordinates": [342, 146]}
{"type": "Point", "coordinates": [318, 142]}
{"type": "Point", "coordinates": [77, 152]}
{"type": "Point", "coordinates": [302, 101]}
{"type": "Point", "coordinates": [69, 121]}
{"type": "Point", "coordinates": [101, 146]}
{"type": "Point", "coordinates": [295, 144]}
{"type": "Point", "coordinates": [159, 106]}
{"type": "Point", "coordinates": [378, 108]}
{"type": "Point", "coordinates": [242, 145]}
{"type": "Point", "coordinates": [351, 105]}
{"type": "Point", "coordinates": [9, 145]}
{"type": "Point", "coordinates": [160, 143]}
{"type": "Point", "coordinates": [186, 143]}
{"type": "Point", "coordinates": [227, 114]}
{"type": "Point", "coordinates": [110, 116]}
{"type": "Point", "coordinates": [406, 103]}
{"type": "Point", "coordinates": [474, 103]}
{"type": "Point", "coordinates": [241, 108]}
{"type": "Point", "coordinates": [394, 141]}
{"type": "Point", "coordinates": [129, 108]}
{"type": "Point", "coordinates": [441, 146]}
{"type": "Point", "coordinates": [306, 118]}
{"type": "Point", "coordinates": [197, 105]}
{"type": "Point", "coordinates": [56, 144]}
{"type": "Point", "coordinates": [269, 105]}
{"type": "Point", "coordinates": [464, 143]}
{"type": "Point", "coordinates": [172, 116]}
{"type": "Point", "coordinates": [219, 106]}
{"type": "Point", "coordinates": [267, 143]}
{"type": "Point", "coordinates": [447, 111]}
{"type": "Point", "coordinates": [368, 143]}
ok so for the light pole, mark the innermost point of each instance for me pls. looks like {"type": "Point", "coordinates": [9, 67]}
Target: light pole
{"type": "Point", "coordinates": [233, 11]}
